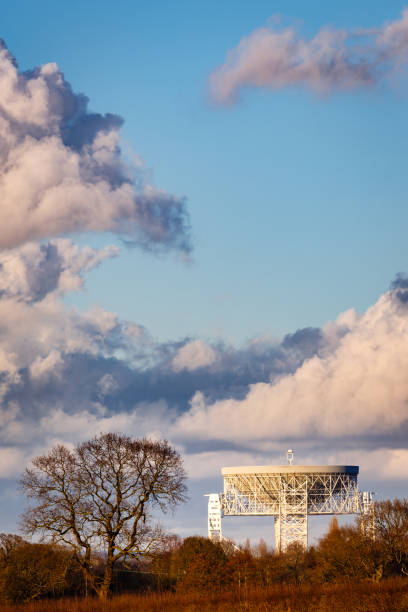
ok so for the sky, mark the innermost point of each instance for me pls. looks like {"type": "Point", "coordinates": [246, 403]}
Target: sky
{"type": "Point", "coordinates": [203, 236]}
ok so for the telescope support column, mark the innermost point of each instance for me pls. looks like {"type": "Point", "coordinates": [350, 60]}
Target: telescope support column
{"type": "Point", "coordinates": [214, 517]}
{"type": "Point", "coordinates": [367, 515]}
{"type": "Point", "coordinates": [291, 523]}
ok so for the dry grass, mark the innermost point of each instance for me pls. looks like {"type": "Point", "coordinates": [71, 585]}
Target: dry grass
{"type": "Point", "coordinates": [390, 595]}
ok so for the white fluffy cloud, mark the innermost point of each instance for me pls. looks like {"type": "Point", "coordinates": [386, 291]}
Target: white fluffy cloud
{"type": "Point", "coordinates": [334, 59]}
{"type": "Point", "coordinates": [66, 375]}
{"type": "Point", "coordinates": [31, 272]}
{"type": "Point", "coordinates": [36, 327]}
{"type": "Point", "coordinates": [59, 371]}
{"type": "Point", "coordinates": [61, 168]}
{"type": "Point", "coordinates": [357, 389]}
{"type": "Point", "coordinates": [194, 355]}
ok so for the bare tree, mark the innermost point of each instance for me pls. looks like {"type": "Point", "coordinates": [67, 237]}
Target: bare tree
{"type": "Point", "coordinates": [100, 496]}
{"type": "Point", "coordinates": [391, 530]}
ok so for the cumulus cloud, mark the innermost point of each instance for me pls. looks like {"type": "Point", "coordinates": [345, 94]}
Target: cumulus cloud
{"type": "Point", "coordinates": [194, 355]}
{"type": "Point", "coordinates": [45, 347]}
{"type": "Point", "coordinates": [276, 58]}
{"type": "Point", "coordinates": [36, 327]}
{"type": "Point", "coordinates": [67, 374]}
{"type": "Point", "coordinates": [35, 270]}
{"type": "Point", "coordinates": [61, 168]}
{"type": "Point", "coordinates": [337, 394]}
{"type": "Point", "coordinates": [357, 390]}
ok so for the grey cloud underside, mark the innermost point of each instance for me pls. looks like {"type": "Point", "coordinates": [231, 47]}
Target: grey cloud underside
{"type": "Point", "coordinates": [399, 287]}
{"type": "Point", "coordinates": [78, 385]}
{"type": "Point", "coordinates": [66, 375]}
{"type": "Point", "coordinates": [62, 169]}
{"type": "Point", "coordinates": [44, 277]}
{"type": "Point", "coordinates": [36, 273]}
{"type": "Point", "coordinates": [59, 361]}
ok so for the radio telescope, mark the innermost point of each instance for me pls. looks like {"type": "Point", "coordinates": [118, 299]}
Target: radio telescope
{"type": "Point", "coordinates": [290, 493]}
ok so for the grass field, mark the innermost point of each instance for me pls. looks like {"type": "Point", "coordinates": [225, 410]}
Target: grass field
{"type": "Point", "coordinates": [387, 596]}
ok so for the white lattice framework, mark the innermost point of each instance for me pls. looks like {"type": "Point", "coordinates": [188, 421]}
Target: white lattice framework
{"type": "Point", "coordinates": [290, 494]}
{"type": "Point", "coordinates": [214, 517]}
{"type": "Point", "coordinates": [367, 514]}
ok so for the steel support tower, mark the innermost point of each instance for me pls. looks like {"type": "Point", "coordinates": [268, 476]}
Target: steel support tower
{"type": "Point", "coordinates": [289, 493]}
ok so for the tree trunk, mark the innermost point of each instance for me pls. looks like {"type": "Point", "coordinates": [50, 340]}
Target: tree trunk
{"type": "Point", "coordinates": [103, 590]}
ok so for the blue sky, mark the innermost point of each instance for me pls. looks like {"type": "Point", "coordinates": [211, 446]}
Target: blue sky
{"type": "Point", "coordinates": [297, 205]}
{"type": "Point", "coordinates": [297, 201]}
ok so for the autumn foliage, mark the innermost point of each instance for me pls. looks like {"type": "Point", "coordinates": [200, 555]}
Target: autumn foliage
{"type": "Point", "coordinates": [196, 574]}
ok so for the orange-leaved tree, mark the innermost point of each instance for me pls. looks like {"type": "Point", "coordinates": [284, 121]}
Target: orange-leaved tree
{"type": "Point", "coordinates": [199, 564]}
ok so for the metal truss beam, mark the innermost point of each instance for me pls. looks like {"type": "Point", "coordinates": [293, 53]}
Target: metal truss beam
{"type": "Point", "coordinates": [260, 494]}
{"type": "Point", "coordinates": [290, 497]}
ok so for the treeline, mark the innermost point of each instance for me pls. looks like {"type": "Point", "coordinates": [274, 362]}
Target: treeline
{"type": "Point", "coordinates": [31, 571]}
{"type": "Point", "coordinates": [347, 553]}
